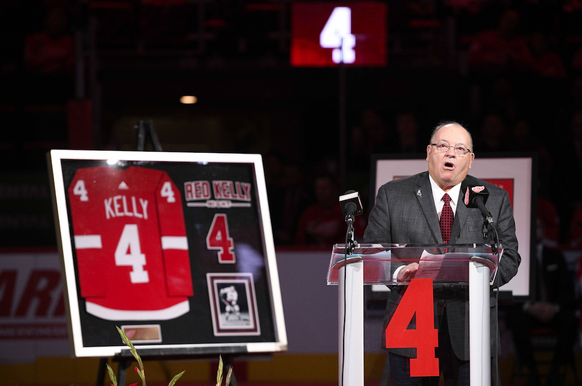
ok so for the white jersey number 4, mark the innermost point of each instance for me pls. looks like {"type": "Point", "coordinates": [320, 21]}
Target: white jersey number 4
{"type": "Point", "coordinates": [128, 252]}
{"type": "Point", "coordinates": [337, 34]}
{"type": "Point", "coordinates": [80, 190]}
{"type": "Point", "coordinates": [168, 192]}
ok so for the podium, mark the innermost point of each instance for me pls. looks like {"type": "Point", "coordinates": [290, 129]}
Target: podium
{"type": "Point", "coordinates": [467, 267]}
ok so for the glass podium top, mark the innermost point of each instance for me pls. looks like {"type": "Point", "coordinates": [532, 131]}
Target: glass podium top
{"type": "Point", "coordinates": [445, 263]}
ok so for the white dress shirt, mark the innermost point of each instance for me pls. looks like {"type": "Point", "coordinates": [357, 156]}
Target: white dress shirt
{"type": "Point", "coordinates": [437, 195]}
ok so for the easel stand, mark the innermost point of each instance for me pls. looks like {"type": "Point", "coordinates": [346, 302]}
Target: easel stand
{"type": "Point", "coordinates": [121, 371]}
{"type": "Point", "coordinates": [145, 130]}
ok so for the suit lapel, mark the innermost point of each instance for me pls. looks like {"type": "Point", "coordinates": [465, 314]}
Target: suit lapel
{"type": "Point", "coordinates": [460, 217]}
{"type": "Point", "coordinates": [424, 195]}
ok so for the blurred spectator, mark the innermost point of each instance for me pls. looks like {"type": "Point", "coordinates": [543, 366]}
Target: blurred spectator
{"type": "Point", "coordinates": [576, 93]}
{"type": "Point", "coordinates": [544, 61]}
{"type": "Point", "coordinates": [368, 137]}
{"type": "Point", "coordinates": [576, 132]}
{"type": "Point", "coordinates": [577, 61]}
{"type": "Point", "coordinates": [578, 277]}
{"type": "Point", "coordinates": [554, 308]}
{"type": "Point", "coordinates": [502, 97]}
{"type": "Point", "coordinates": [501, 49]}
{"type": "Point", "coordinates": [539, 15]}
{"type": "Point", "coordinates": [492, 136]}
{"type": "Point", "coordinates": [50, 51]}
{"type": "Point", "coordinates": [12, 30]}
{"type": "Point", "coordinates": [548, 215]}
{"type": "Point", "coordinates": [575, 234]}
{"type": "Point", "coordinates": [472, 17]}
{"type": "Point", "coordinates": [273, 166]}
{"type": "Point", "coordinates": [273, 170]}
{"type": "Point", "coordinates": [524, 140]}
{"type": "Point", "coordinates": [571, 105]}
{"type": "Point", "coordinates": [572, 5]}
{"type": "Point", "coordinates": [407, 133]}
{"type": "Point", "coordinates": [567, 176]}
{"type": "Point", "coordinates": [291, 199]}
{"type": "Point", "coordinates": [323, 222]}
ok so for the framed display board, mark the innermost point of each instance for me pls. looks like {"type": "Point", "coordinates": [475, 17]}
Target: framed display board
{"type": "Point", "coordinates": [174, 248]}
{"type": "Point", "coordinates": [516, 173]}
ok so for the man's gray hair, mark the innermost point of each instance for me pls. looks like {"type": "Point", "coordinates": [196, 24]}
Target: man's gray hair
{"type": "Point", "coordinates": [445, 123]}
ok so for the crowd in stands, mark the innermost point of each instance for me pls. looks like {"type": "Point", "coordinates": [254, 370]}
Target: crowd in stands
{"type": "Point", "coordinates": [525, 84]}
{"type": "Point", "coordinates": [37, 40]}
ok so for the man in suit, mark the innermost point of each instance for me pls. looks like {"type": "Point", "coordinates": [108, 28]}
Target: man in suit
{"type": "Point", "coordinates": [409, 211]}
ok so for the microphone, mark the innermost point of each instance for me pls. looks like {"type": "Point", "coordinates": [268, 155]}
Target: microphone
{"type": "Point", "coordinates": [475, 197]}
{"type": "Point", "coordinates": [351, 205]}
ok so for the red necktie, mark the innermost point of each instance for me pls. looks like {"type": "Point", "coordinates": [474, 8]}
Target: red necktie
{"type": "Point", "coordinates": [446, 219]}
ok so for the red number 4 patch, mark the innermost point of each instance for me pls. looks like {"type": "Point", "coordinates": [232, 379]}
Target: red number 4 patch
{"type": "Point", "coordinates": [219, 239]}
{"type": "Point", "coordinates": [418, 299]}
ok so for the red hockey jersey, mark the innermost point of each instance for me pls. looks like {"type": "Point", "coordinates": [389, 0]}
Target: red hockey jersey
{"type": "Point", "coordinates": [131, 244]}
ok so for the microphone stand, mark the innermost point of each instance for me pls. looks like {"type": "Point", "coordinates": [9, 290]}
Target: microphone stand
{"type": "Point", "coordinates": [495, 242]}
{"type": "Point", "coordinates": [488, 223]}
{"type": "Point", "coordinates": [351, 243]}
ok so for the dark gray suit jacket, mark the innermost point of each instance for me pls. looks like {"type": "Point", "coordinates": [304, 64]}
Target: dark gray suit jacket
{"type": "Point", "coordinates": [405, 213]}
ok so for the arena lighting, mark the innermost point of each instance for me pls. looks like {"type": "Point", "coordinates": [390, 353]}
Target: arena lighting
{"type": "Point", "coordinates": [111, 161]}
{"type": "Point", "coordinates": [188, 99]}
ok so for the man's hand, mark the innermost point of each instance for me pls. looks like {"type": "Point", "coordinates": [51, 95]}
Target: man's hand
{"type": "Point", "coordinates": [407, 273]}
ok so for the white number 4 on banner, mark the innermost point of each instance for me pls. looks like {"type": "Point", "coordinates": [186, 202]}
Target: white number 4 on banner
{"type": "Point", "coordinates": [337, 34]}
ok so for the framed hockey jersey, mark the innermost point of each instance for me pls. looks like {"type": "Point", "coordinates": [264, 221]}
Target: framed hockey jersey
{"type": "Point", "coordinates": [174, 248]}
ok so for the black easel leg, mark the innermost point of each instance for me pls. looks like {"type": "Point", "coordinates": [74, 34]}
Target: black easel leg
{"type": "Point", "coordinates": [145, 130]}
{"type": "Point", "coordinates": [101, 372]}
{"type": "Point", "coordinates": [154, 136]}
{"type": "Point", "coordinates": [122, 371]}
{"type": "Point", "coordinates": [227, 362]}
{"type": "Point", "coordinates": [141, 136]}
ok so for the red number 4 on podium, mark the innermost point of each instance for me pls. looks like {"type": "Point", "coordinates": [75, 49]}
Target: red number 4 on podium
{"type": "Point", "coordinates": [418, 299]}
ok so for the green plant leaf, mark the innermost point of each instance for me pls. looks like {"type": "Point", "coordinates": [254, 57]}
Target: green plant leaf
{"type": "Point", "coordinates": [175, 379]}
{"type": "Point", "coordinates": [141, 374]}
{"type": "Point", "coordinates": [219, 372]}
{"type": "Point", "coordinates": [228, 375]}
{"type": "Point", "coordinates": [111, 374]}
{"type": "Point", "coordinates": [135, 355]}
{"type": "Point", "coordinates": [131, 346]}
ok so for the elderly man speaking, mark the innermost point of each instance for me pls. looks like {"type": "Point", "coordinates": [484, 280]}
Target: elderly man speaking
{"type": "Point", "coordinates": [427, 208]}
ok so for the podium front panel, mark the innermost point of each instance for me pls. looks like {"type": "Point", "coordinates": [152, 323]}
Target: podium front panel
{"type": "Point", "coordinates": [425, 321]}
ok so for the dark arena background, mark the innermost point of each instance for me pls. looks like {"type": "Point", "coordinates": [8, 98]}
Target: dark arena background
{"type": "Point", "coordinates": [317, 94]}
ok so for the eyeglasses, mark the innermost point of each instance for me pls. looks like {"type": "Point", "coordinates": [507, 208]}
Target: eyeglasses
{"type": "Point", "coordinates": [443, 147]}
